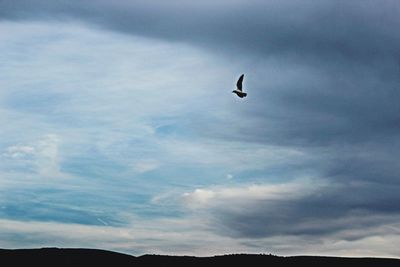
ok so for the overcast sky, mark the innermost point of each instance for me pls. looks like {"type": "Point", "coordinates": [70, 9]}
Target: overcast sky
{"type": "Point", "coordinates": [119, 129]}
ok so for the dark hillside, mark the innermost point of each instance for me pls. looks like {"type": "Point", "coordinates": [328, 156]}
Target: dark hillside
{"type": "Point", "coordinates": [93, 257]}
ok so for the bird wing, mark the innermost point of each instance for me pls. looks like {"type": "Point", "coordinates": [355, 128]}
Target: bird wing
{"type": "Point", "coordinates": [239, 83]}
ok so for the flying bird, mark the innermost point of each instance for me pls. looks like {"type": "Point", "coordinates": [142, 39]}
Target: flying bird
{"type": "Point", "coordinates": [238, 90]}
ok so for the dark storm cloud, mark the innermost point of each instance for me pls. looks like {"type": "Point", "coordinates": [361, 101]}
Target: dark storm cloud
{"type": "Point", "coordinates": [350, 29]}
{"type": "Point", "coordinates": [324, 78]}
{"type": "Point", "coordinates": [358, 208]}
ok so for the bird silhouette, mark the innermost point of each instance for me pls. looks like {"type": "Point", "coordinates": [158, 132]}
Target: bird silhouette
{"type": "Point", "coordinates": [238, 90]}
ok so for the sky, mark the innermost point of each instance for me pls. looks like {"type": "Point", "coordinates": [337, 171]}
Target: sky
{"type": "Point", "coordinates": [120, 131]}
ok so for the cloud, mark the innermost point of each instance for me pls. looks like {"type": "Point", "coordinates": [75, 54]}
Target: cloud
{"type": "Point", "coordinates": [300, 52]}
{"type": "Point", "coordinates": [309, 208]}
{"type": "Point", "coordinates": [334, 30]}
{"type": "Point", "coordinates": [97, 111]}
{"type": "Point", "coordinates": [145, 165]}
{"type": "Point", "coordinates": [19, 151]}
{"type": "Point", "coordinates": [250, 193]}
{"type": "Point", "coordinates": [233, 154]}
{"type": "Point", "coordinates": [173, 237]}
{"type": "Point", "coordinates": [41, 155]}
{"type": "Point", "coordinates": [188, 237]}
{"type": "Point", "coordinates": [48, 157]}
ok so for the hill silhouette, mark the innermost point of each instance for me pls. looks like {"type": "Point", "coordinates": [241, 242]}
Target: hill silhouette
{"type": "Point", "coordinates": [82, 257]}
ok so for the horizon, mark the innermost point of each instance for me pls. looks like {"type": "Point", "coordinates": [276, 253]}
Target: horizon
{"type": "Point", "coordinates": [191, 256]}
{"type": "Point", "coordinates": [120, 130]}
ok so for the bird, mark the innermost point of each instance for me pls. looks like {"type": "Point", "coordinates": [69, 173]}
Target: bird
{"type": "Point", "coordinates": [238, 90]}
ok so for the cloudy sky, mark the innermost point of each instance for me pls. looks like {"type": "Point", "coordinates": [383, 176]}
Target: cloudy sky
{"type": "Point", "coordinates": [119, 129]}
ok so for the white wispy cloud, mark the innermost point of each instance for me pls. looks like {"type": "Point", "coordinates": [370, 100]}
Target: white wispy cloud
{"type": "Point", "coordinates": [232, 154]}
{"type": "Point", "coordinates": [142, 166]}
{"type": "Point", "coordinates": [42, 155]}
{"type": "Point", "coordinates": [48, 161]}
{"type": "Point", "coordinates": [238, 196]}
{"type": "Point", "coordinates": [19, 151]}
